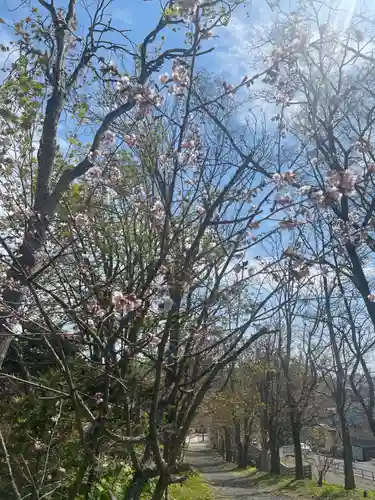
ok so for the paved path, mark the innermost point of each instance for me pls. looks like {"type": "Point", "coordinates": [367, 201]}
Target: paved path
{"type": "Point", "coordinates": [226, 484]}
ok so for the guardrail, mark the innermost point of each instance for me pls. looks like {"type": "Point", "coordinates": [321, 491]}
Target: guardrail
{"type": "Point", "coordinates": [363, 473]}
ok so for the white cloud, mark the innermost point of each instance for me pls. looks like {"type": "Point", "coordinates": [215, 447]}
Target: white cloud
{"type": "Point", "coordinates": [235, 52]}
{"type": "Point", "coordinates": [122, 15]}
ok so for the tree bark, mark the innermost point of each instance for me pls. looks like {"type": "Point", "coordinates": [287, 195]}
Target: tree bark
{"type": "Point", "coordinates": [340, 396]}
{"type": "Point", "coordinates": [348, 453]}
{"type": "Point", "coordinates": [296, 436]}
{"type": "Point", "coordinates": [222, 444]}
{"type": "Point", "coordinates": [264, 442]}
{"type": "Point", "coordinates": [264, 455]}
{"type": "Point", "coordinates": [245, 444]}
{"type": "Point", "coordinates": [160, 488]}
{"type": "Point", "coordinates": [237, 441]}
{"type": "Point", "coordinates": [135, 488]}
{"type": "Point", "coordinates": [275, 453]}
{"type": "Point", "coordinates": [228, 444]}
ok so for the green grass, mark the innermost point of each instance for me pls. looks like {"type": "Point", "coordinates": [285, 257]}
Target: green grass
{"type": "Point", "coordinates": [309, 489]}
{"type": "Point", "coordinates": [194, 488]}
{"type": "Point", "coordinates": [302, 489]}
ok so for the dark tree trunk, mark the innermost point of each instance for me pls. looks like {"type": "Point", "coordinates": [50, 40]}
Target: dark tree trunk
{"type": "Point", "coordinates": [245, 444]}
{"type": "Point", "coordinates": [237, 441]}
{"type": "Point", "coordinates": [296, 436]}
{"type": "Point", "coordinates": [264, 447]}
{"type": "Point", "coordinates": [264, 459]}
{"type": "Point", "coordinates": [135, 488]}
{"type": "Point", "coordinates": [222, 444]}
{"type": "Point", "coordinates": [245, 453]}
{"type": "Point", "coordinates": [348, 453]}
{"type": "Point", "coordinates": [228, 444]}
{"type": "Point", "coordinates": [160, 488]}
{"type": "Point", "coordinates": [339, 392]}
{"type": "Point", "coordinates": [275, 453]}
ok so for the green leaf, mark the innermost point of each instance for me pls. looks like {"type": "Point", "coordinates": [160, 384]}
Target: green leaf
{"type": "Point", "coordinates": [74, 141]}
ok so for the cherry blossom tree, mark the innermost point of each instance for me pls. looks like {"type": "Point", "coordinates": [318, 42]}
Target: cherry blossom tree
{"type": "Point", "coordinates": [122, 248]}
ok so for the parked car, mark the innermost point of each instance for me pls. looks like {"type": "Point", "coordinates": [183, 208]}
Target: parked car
{"type": "Point", "coordinates": [306, 447]}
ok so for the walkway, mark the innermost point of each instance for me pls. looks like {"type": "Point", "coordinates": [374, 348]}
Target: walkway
{"type": "Point", "coordinates": [225, 482]}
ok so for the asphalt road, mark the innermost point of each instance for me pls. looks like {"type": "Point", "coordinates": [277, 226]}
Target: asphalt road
{"type": "Point", "coordinates": [363, 471]}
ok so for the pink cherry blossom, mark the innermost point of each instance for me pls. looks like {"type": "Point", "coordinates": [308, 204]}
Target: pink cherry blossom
{"type": "Point", "coordinates": [130, 139]}
{"type": "Point", "coordinates": [124, 304]}
{"type": "Point", "coordinates": [206, 35]}
{"type": "Point", "coordinates": [333, 194]}
{"type": "Point", "coordinates": [94, 173]}
{"type": "Point", "coordinates": [303, 190]}
{"type": "Point", "coordinates": [92, 156]}
{"type": "Point", "coordinates": [180, 76]}
{"type": "Point", "coordinates": [284, 200]}
{"type": "Point", "coordinates": [109, 138]}
{"type": "Point", "coordinates": [164, 78]}
{"type": "Point", "coordinates": [277, 178]}
{"type": "Point", "coordinates": [344, 180]}
{"type": "Point", "coordinates": [289, 176]}
{"type": "Point", "coordinates": [158, 211]}
{"type": "Point", "coordinates": [94, 308]}
{"type": "Point", "coordinates": [123, 83]}
{"type": "Point", "coordinates": [229, 88]}
{"type": "Point", "coordinates": [186, 7]}
{"type": "Point", "coordinates": [189, 144]}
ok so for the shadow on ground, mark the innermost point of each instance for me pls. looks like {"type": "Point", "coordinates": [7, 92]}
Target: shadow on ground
{"type": "Point", "coordinates": [225, 478]}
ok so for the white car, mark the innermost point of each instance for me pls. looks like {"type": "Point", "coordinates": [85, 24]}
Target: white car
{"type": "Point", "coordinates": [305, 447]}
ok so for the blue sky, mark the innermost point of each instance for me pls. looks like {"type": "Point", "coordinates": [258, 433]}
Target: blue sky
{"type": "Point", "coordinates": [231, 54]}
{"type": "Point", "coordinates": [232, 57]}
{"type": "Point", "coordinates": [140, 17]}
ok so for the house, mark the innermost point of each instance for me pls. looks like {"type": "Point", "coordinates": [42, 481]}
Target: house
{"type": "Point", "coordinates": [362, 438]}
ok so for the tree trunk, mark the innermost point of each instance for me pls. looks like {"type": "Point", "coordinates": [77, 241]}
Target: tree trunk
{"type": "Point", "coordinates": [263, 441]}
{"type": "Point", "coordinates": [75, 487]}
{"type": "Point", "coordinates": [228, 444]}
{"type": "Point", "coordinates": [237, 441]}
{"type": "Point", "coordinates": [222, 444]}
{"type": "Point", "coordinates": [348, 453]}
{"type": "Point", "coordinates": [160, 488]}
{"type": "Point", "coordinates": [264, 455]}
{"type": "Point", "coordinates": [340, 394]}
{"type": "Point", "coordinates": [296, 436]}
{"type": "Point", "coordinates": [245, 444]}
{"type": "Point", "coordinates": [135, 488]}
{"type": "Point", "coordinates": [275, 453]}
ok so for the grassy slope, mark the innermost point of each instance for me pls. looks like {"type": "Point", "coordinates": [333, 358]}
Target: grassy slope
{"type": "Point", "coordinates": [305, 489]}
{"type": "Point", "coordinates": [195, 488]}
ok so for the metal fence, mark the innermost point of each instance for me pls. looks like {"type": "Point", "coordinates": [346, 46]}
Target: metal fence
{"type": "Point", "coordinates": [338, 467]}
